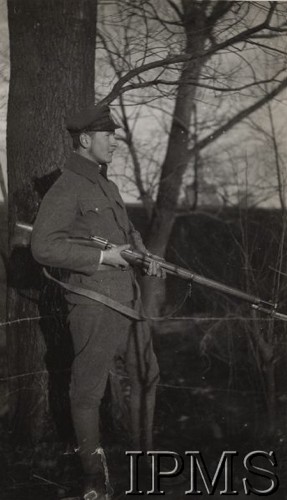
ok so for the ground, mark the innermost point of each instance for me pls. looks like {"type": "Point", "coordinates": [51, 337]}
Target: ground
{"type": "Point", "coordinates": [195, 411]}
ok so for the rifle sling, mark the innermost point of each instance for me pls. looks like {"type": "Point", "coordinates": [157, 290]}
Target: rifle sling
{"type": "Point", "coordinates": [112, 304]}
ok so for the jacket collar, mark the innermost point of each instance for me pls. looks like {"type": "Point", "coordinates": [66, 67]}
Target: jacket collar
{"type": "Point", "coordinates": [87, 168]}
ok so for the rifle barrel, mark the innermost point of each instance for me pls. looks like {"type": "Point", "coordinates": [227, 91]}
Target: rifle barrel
{"type": "Point", "coordinates": [140, 259]}
{"type": "Point", "coordinates": [189, 275]}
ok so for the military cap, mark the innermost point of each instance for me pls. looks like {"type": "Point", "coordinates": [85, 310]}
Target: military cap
{"type": "Point", "coordinates": [93, 118]}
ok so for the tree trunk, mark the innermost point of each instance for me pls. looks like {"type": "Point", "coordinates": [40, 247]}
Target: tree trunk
{"type": "Point", "coordinates": [52, 50]}
{"type": "Point", "coordinates": [176, 159]}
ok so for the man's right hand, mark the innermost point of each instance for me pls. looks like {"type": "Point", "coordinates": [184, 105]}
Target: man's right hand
{"type": "Point", "coordinates": [112, 257]}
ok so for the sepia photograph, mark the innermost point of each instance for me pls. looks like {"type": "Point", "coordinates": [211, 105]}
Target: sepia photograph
{"type": "Point", "coordinates": [143, 249]}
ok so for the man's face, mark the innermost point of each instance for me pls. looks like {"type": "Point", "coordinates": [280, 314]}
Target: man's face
{"type": "Point", "coordinates": [101, 146]}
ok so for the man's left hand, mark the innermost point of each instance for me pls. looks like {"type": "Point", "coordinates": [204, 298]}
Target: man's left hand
{"type": "Point", "coordinates": [156, 270]}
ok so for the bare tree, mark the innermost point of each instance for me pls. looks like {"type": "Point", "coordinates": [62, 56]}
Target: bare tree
{"type": "Point", "coordinates": [203, 36]}
{"type": "Point", "coordinates": [52, 49]}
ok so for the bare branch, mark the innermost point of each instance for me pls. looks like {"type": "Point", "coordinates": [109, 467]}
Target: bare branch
{"type": "Point", "coordinates": [239, 117]}
{"type": "Point", "coordinates": [176, 9]}
{"type": "Point", "coordinates": [144, 195]}
{"type": "Point", "coordinates": [277, 162]}
{"type": "Point", "coordinates": [189, 81]}
{"type": "Point", "coordinates": [263, 46]}
{"type": "Point", "coordinates": [240, 37]}
{"type": "Point", "coordinates": [219, 10]}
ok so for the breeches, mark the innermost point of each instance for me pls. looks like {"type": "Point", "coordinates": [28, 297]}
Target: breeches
{"type": "Point", "coordinates": [99, 334]}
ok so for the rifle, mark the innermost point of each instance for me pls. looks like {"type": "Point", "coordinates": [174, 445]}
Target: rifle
{"type": "Point", "coordinates": [143, 260]}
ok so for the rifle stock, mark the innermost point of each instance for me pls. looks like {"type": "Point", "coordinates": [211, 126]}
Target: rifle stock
{"type": "Point", "coordinates": [139, 259]}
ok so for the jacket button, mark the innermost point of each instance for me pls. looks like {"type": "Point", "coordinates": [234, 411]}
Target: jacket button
{"type": "Point", "coordinates": [96, 209]}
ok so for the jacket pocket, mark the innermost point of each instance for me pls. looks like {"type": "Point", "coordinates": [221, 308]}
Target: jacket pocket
{"type": "Point", "coordinates": [97, 217]}
{"type": "Point", "coordinates": [95, 206]}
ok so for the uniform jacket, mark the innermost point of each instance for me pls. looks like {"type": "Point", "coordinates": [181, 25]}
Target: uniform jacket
{"type": "Point", "coordinates": [83, 202]}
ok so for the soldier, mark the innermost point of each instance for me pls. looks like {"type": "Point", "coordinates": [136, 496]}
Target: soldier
{"type": "Point", "coordinates": [84, 202]}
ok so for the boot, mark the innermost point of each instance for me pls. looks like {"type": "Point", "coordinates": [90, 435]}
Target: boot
{"type": "Point", "coordinates": [95, 488]}
{"type": "Point", "coordinates": [86, 425]}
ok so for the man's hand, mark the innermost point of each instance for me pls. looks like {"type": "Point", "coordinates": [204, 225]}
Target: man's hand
{"type": "Point", "coordinates": [155, 268]}
{"type": "Point", "coordinates": [113, 257]}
